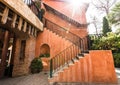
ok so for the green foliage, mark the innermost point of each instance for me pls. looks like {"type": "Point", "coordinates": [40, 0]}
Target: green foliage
{"type": "Point", "coordinates": [41, 13]}
{"type": "Point", "coordinates": [106, 27]}
{"type": "Point", "coordinates": [45, 55]}
{"type": "Point", "coordinates": [38, 3]}
{"type": "Point", "coordinates": [36, 65]}
{"type": "Point", "coordinates": [114, 15]}
{"type": "Point", "coordinates": [109, 42]}
{"type": "Point", "coordinates": [116, 57]}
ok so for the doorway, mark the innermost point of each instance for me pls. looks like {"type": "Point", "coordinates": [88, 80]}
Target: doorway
{"type": "Point", "coordinates": [6, 48]}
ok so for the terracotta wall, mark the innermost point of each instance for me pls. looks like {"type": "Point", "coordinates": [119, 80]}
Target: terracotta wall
{"type": "Point", "coordinates": [95, 67]}
{"type": "Point", "coordinates": [22, 67]}
{"type": "Point", "coordinates": [102, 66]}
{"type": "Point", "coordinates": [55, 42]}
{"type": "Point", "coordinates": [80, 31]}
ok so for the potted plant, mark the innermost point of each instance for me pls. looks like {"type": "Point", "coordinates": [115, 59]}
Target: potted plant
{"type": "Point", "coordinates": [36, 65]}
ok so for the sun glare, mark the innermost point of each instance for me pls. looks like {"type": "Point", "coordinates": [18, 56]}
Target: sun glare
{"type": "Point", "coordinates": [75, 3]}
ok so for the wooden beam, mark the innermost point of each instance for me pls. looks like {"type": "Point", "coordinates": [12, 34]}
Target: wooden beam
{"type": "Point", "coordinates": [29, 29]}
{"type": "Point", "coordinates": [5, 15]}
{"type": "Point", "coordinates": [14, 20]}
{"type": "Point", "coordinates": [19, 7]}
{"type": "Point", "coordinates": [20, 23]}
{"type": "Point", "coordinates": [25, 26]}
{"type": "Point", "coordinates": [32, 31]}
{"type": "Point", "coordinates": [35, 33]}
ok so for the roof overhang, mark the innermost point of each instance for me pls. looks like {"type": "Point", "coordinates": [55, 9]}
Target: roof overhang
{"type": "Point", "coordinates": [24, 11]}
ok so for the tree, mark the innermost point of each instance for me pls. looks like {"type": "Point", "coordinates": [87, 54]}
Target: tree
{"type": "Point", "coordinates": [106, 27]}
{"type": "Point", "coordinates": [114, 15]}
{"type": "Point", "coordinates": [103, 5]}
{"type": "Point", "coordinates": [109, 42]}
{"type": "Point", "coordinates": [95, 23]}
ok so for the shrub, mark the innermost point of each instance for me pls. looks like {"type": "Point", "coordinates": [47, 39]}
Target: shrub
{"type": "Point", "coordinates": [36, 65]}
{"type": "Point", "coordinates": [116, 57]}
{"type": "Point", "coordinates": [109, 42]}
{"type": "Point", "coordinates": [45, 55]}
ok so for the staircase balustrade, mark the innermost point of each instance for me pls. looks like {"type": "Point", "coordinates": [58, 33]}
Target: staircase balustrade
{"type": "Point", "coordinates": [63, 58]}
{"type": "Point", "coordinates": [67, 55]}
{"type": "Point", "coordinates": [61, 31]}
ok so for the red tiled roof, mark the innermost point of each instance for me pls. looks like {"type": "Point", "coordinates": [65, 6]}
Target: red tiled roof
{"type": "Point", "coordinates": [66, 9]}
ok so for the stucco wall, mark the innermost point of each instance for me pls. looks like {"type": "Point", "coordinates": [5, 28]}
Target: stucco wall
{"type": "Point", "coordinates": [55, 42]}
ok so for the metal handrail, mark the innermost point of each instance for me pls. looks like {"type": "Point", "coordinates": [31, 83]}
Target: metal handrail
{"type": "Point", "coordinates": [61, 31]}
{"type": "Point", "coordinates": [63, 58]}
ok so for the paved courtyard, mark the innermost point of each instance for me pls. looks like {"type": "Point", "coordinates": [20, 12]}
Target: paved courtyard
{"type": "Point", "coordinates": [42, 79]}
{"type": "Point", "coordinates": [33, 79]}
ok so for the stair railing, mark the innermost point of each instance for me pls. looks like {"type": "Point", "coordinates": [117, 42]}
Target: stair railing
{"type": "Point", "coordinates": [67, 55]}
{"type": "Point", "coordinates": [63, 59]}
{"type": "Point", "coordinates": [61, 31]}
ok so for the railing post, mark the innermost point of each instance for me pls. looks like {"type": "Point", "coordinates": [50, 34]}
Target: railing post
{"type": "Point", "coordinates": [51, 68]}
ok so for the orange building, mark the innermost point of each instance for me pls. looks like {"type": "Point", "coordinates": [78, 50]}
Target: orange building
{"type": "Point", "coordinates": [61, 28]}
{"type": "Point", "coordinates": [61, 35]}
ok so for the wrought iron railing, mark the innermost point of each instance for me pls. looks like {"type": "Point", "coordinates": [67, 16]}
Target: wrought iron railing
{"type": "Point", "coordinates": [63, 59]}
{"type": "Point", "coordinates": [65, 34]}
{"type": "Point", "coordinates": [67, 55]}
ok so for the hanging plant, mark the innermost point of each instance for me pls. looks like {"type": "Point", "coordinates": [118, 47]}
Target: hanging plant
{"type": "Point", "coordinates": [38, 4]}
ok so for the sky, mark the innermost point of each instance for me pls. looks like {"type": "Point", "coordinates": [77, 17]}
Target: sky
{"type": "Point", "coordinates": [93, 12]}
{"type": "Point", "coordinates": [90, 13]}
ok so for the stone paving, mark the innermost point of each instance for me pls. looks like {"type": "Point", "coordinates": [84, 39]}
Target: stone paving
{"type": "Point", "coordinates": [33, 79]}
{"type": "Point", "coordinates": [42, 79]}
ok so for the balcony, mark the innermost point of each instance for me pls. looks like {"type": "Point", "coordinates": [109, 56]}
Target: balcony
{"type": "Point", "coordinates": [17, 17]}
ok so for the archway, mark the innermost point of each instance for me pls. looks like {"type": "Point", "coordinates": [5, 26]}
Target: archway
{"type": "Point", "coordinates": [45, 54]}
{"type": "Point", "coordinates": [45, 50]}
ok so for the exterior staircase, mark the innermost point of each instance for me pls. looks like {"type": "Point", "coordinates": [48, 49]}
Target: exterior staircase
{"type": "Point", "coordinates": [95, 67]}
{"type": "Point", "coordinates": [73, 65]}
{"type": "Point", "coordinates": [68, 55]}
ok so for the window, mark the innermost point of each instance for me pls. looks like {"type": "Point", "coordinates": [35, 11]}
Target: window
{"type": "Point", "coordinates": [22, 50]}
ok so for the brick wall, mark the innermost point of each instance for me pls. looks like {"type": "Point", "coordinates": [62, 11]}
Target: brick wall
{"type": "Point", "coordinates": [22, 67]}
